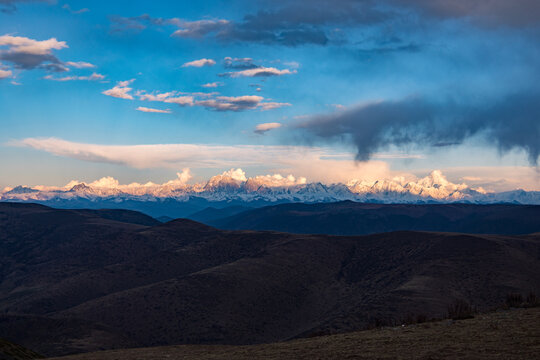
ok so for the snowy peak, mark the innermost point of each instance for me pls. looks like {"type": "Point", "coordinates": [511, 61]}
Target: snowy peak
{"type": "Point", "coordinates": [233, 185]}
{"type": "Point", "coordinates": [21, 190]}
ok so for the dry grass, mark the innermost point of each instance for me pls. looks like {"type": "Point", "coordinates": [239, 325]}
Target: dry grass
{"type": "Point", "coordinates": [513, 334]}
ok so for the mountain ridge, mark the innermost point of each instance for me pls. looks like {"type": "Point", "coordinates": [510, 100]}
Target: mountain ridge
{"type": "Point", "coordinates": [72, 281]}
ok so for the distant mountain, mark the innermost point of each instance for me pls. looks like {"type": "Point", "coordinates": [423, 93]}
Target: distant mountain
{"type": "Point", "coordinates": [18, 190]}
{"type": "Point", "coordinates": [75, 281]}
{"type": "Point", "coordinates": [351, 218]}
{"type": "Point", "coordinates": [211, 214]}
{"type": "Point", "coordinates": [177, 199]}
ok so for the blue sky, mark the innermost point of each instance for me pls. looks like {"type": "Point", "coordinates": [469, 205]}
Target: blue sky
{"type": "Point", "coordinates": [404, 86]}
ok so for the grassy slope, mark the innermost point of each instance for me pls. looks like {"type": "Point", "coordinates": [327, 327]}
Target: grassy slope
{"type": "Point", "coordinates": [511, 334]}
{"type": "Point", "coordinates": [11, 351]}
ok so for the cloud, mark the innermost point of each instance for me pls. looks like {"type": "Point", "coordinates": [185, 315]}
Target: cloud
{"type": "Point", "coordinates": [151, 110]}
{"type": "Point", "coordinates": [5, 74]}
{"type": "Point", "coordinates": [289, 23]}
{"type": "Point", "coordinates": [139, 23]}
{"type": "Point", "coordinates": [271, 105]}
{"type": "Point", "coordinates": [239, 103]}
{"type": "Point", "coordinates": [260, 71]}
{"type": "Point", "coordinates": [93, 77]}
{"type": "Point", "coordinates": [80, 64]}
{"type": "Point", "coordinates": [10, 6]}
{"type": "Point", "coordinates": [239, 63]}
{"type": "Point", "coordinates": [80, 11]}
{"type": "Point", "coordinates": [263, 128]}
{"type": "Point", "coordinates": [200, 28]}
{"type": "Point", "coordinates": [200, 63]}
{"type": "Point", "coordinates": [510, 123]}
{"type": "Point", "coordinates": [211, 100]}
{"type": "Point", "coordinates": [513, 13]}
{"type": "Point", "coordinates": [120, 90]}
{"type": "Point", "coordinates": [317, 164]}
{"type": "Point", "coordinates": [212, 85]}
{"type": "Point", "coordinates": [313, 163]}
{"type": "Point", "coordinates": [25, 53]}
{"type": "Point", "coordinates": [164, 155]}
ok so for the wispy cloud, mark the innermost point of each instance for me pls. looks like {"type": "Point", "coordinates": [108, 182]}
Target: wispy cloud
{"type": "Point", "coordinates": [264, 128]}
{"type": "Point", "coordinates": [315, 163]}
{"type": "Point", "coordinates": [199, 63]}
{"type": "Point", "coordinates": [239, 63]}
{"type": "Point", "coordinates": [93, 77]}
{"type": "Point", "coordinates": [212, 101]}
{"type": "Point", "coordinates": [80, 11]}
{"type": "Point", "coordinates": [10, 6]}
{"type": "Point", "coordinates": [239, 103]}
{"type": "Point", "coordinates": [260, 71]}
{"type": "Point", "coordinates": [212, 85]}
{"type": "Point", "coordinates": [80, 64]}
{"type": "Point", "coordinates": [152, 110]}
{"type": "Point", "coordinates": [199, 28]}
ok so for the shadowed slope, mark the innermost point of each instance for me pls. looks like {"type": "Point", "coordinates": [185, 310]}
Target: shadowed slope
{"type": "Point", "coordinates": [501, 335]}
{"type": "Point", "coordinates": [351, 218]}
{"type": "Point", "coordinates": [116, 283]}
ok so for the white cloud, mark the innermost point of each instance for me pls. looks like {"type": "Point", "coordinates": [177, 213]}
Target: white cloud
{"type": "Point", "coordinates": [272, 105]}
{"type": "Point", "coordinates": [93, 77]}
{"type": "Point", "coordinates": [208, 100]}
{"type": "Point", "coordinates": [120, 90]}
{"type": "Point", "coordinates": [200, 63]}
{"type": "Point", "coordinates": [260, 71]}
{"type": "Point", "coordinates": [5, 74]}
{"type": "Point", "coordinates": [26, 45]}
{"type": "Point", "coordinates": [263, 128]}
{"type": "Point", "coordinates": [80, 64]}
{"type": "Point", "coordinates": [180, 100]}
{"type": "Point", "coordinates": [151, 110]}
{"type": "Point", "coordinates": [212, 85]}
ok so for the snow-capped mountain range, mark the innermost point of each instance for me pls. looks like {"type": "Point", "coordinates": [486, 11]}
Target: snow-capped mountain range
{"type": "Point", "coordinates": [233, 185]}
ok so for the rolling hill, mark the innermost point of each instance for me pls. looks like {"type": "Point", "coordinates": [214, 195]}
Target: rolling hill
{"type": "Point", "coordinates": [77, 281]}
{"type": "Point", "coordinates": [352, 218]}
{"type": "Point", "coordinates": [502, 335]}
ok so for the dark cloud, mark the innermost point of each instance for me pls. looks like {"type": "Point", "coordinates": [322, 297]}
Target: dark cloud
{"type": "Point", "coordinates": [10, 6]}
{"type": "Point", "coordinates": [27, 61]}
{"type": "Point", "coordinates": [239, 63]}
{"type": "Point", "coordinates": [406, 48]}
{"type": "Point", "coordinates": [138, 23]}
{"type": "Point", "coordinates": [322, 22]}
{"type": "Point", "coordinates": [294, 23]}
{"type": "Point", "coordinates": [289, 23]}
{"type": "Point", "coordinates": [507, 12]}
{"type": "Point", "coordinates": [511, 123]}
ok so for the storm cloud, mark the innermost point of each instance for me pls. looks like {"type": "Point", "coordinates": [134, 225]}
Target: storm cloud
{"type": "Point", "coordinates": [510, 123]}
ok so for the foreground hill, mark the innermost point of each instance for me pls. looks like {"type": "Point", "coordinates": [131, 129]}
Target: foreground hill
{"type": "Point", "coordinates": [10, 351]}
{"type": "Point", "coordinates": [352, 218]}
{"type": "Point", "coordinates": [502, 335]}
{"type": "Point", "coordinates": [75, 281]}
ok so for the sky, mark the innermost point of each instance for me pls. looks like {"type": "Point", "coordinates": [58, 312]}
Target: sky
{"type": "Point", "coordinates": [326, 90]}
